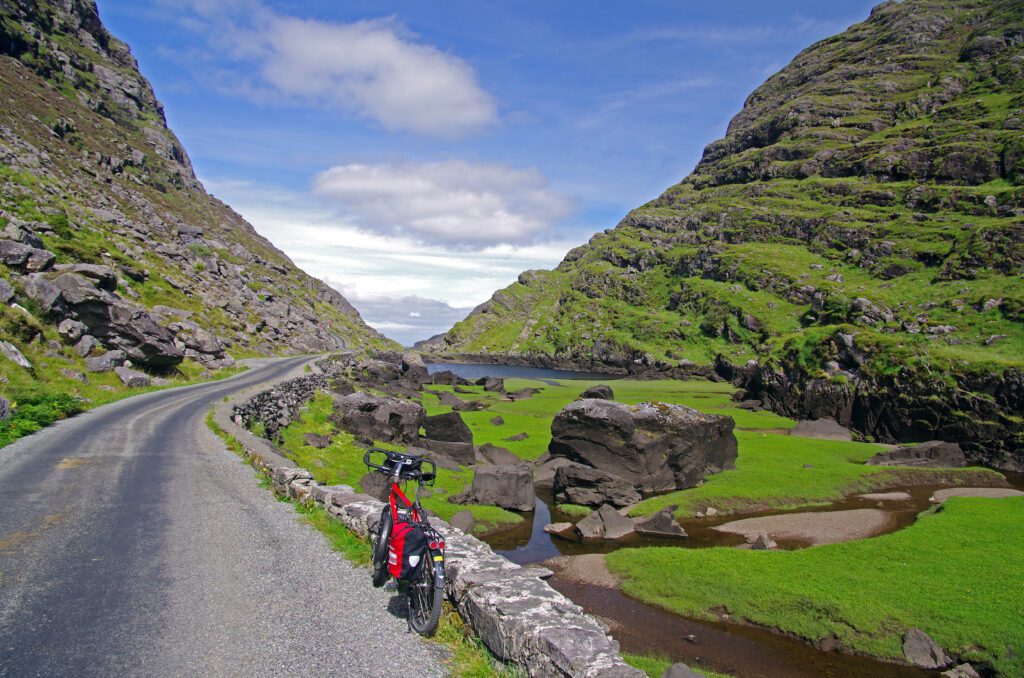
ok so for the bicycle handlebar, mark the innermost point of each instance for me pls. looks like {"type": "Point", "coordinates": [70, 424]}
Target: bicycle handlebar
{"type": "Point", "coordinates": [406, 466]}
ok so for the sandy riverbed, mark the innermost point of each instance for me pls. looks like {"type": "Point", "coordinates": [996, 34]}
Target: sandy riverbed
{"type": "Point", "coordinates": [824, 527]}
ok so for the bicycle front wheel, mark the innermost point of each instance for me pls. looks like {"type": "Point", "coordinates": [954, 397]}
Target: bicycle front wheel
{"type": "Point", "coordinates": [426, 589]}
{"type": "Point", "coordinates": [380, 549]}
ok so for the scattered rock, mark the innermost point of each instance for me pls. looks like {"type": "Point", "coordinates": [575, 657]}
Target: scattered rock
{"type": "Point", "coordinates": [449, 455]}
{"type": "Point", "coordinates": [655, 447]}
{"type": "Point", "coordinates": [492, 384]}
{"type": "Point", "coordinates": [710, 512]}
{"type": "Point", "coordinates": [522, 394]}
{"type": "Point", "coordinates": [823, 429]}
{"type": "Point", "coordinates": [961, 671]}
{"type": "Point", "coordinates": [762, 542]}
{"type": "Point", "coordinates": [318, 441]}
{"type": "Point", "coordinates": [448, 427]}
{"type": "Point", "coordinates": [498, 421]}
{"type": "Point", "coordinates": [558, 528]}
{"type": "Point", "coordinates": [605, 523]}
{"type": "Point", "coordinates": [6, 291]}
{"type": "Point", "coordinates": [920, 650]}
{"type": "Point", "coordinates": [11, 352]}
{"type": "Point", "coordinates": [751, 405]}
{"type": "Point", "coordinates": [448, 378]}
{"type": "Point", "coordinates": [517, 437]}
{"type": "Point", "coordinates": [132, 378]}
{"type": "Point", "coordinates": [601, 392]}
{"type": "Point", "coordinates": [680, 670]}
{"type": "Point", "coordinates": [660, 524]}
{"type": "Point", "coordinates": [509, 486]}
{"type": "Point", "coordinates": [492, 454]}
{"type": "Point", "coordinates": [463, 520]}
{"type": "Point", "coordinates": [587, 486]}
{"type": "Point", "coordinates": [71, 330]}
{"type": "Point", "coordinates": [86, 345]}
{"type": "Point", "coordinates": [375, 485]}
{"type": "Point", "coordinates": [414, 369]}
{"type": "Point", "coordinates": [5, 408]}
{"type": "Point", "coordinates": [932, 454]}
{"type": "Point", "coordinates": [106, 362]}
{"type": "Point", "coordinates": [74, 374]}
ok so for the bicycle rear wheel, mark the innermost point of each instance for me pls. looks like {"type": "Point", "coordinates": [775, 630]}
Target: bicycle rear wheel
{"type": "Point", "coordinates": [380, 549]}
{"type": "Point", "coordinates": [426, 589]}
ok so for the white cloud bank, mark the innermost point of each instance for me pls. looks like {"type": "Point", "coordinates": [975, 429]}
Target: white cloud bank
{"type": "Point", "coordinates": [370, 69]}
{"type": "Point", "coordinates": [453, 202]}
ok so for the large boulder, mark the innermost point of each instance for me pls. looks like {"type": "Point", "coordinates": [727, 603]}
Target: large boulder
{"type": "Point", "coordinates": [578, 484]}
{"type": "Point", "coordinates": [822, 429]}
{"type": "Point", "coordinates": [106, 362]}
{"type": "Point", "coordinates": [492, 454]}
{"type": "Point", "coordinates": [449, 378]}
{"type": "Point", "coordinates": [605, 523]}
{"type": "Point", "coordinates": [920, 650]}
{"type": "Point", "coordinates": [934, 453]}
{"type": "Point", "coordinates": [447, 427]}
{"type": "Point", "coordinates": [25, 258]}
{"type": "Point", "coordinates": [492, 384]}
{"type": "Point", "coordinates": [509, 486]}
{"type": "Point", "coordinates": [378, 372]}
{"type": "Point", "coordinates": [388, 420]}
{"type": "Point", "coordinates": [414, 369]}
{"type": "Point", "coordinates": [132, 378]}
{"type": "Point", "coordinates": [654, 447]}
{"type": "Point", "coordinates": [544, 474]}
{"type": "Point", "coordinates": [449, 455]}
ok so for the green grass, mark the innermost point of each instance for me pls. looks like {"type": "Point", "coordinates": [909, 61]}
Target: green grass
{"type": "Point", "coordinates": [655, 665]}
{"type": "Point", "coordinates": [342, 463]}
{"type": "Point", "coordinates": [955, 573]}
{"type": "Point", "coordinates": [341, 539]}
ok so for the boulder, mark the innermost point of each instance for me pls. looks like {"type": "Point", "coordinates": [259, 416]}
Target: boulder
{"type": "Point", "coordinates": [74, 374]}
{"type": "Point", "coordinates": [6, 291]}
{"type": "Point", "coordinates": [823, 429]}
{"type": "Point", "coordinates": [544, 474]}
{"type": "Point", "coordinates": [655, 447]}
{"type": "Point", "coordinates": [660, 524]}
{"type": "Point", "coordinates": [601, 392]}
{"type": "Point", "coordinates": [605, 523]}
{"type": "Point", "coordinates": [46, 295]}
{"type": "Point", "coordinates": [517, 437]}
{"type": "Point", "coordinates": [71, 330]}
{"type": "Point", "coordinates": [509, 486]}
{"type": "Point", "coordinates": [448, 428]}
{"type": "Point", "coordinates": [463, 520]}
{"type": "Point", "coordinates": [378, 372]}
{"type": "Point", "coordinates": [11, 352]}
{"type": "Point", "coordinates": [492, 384]}
{"type": "Point", "coordinates": [132, 378]}
{"type": "Point", "coordinates": [680, 670]}
{"type": "Point", "coordinates": [370, 417]}
{"type": "Point", "coordinates": [492, 454]}
{"type": "Point", "coordinates": [5, 408]}
{"type": "Point", "coordinates": [449, 455]}
{"type": "Point", "coordinates": [106, 362]}
{"type": "Point", "coordinates": [961, 671]}
{"type": "Point", "coordinates": [920, 650]}
{"type": "Point", "coordinates": [103, 277]}
{"type": "Point", "coordinates": [763, 542]}
{"type": "Point", "coordinates": [86, 345]}
{"type": "Point", "coordinates": [934, 453]}
{"type": "Point", "coordinates": [522, 394]}
{"type": "Point", "coordinates": [498, 421]}
{"type": "Point", "coordinates": [318, 441]}
{"type": "Point", "coordinates": [578, 484]}
{"type": "Point", "coordinates": [559, 528]}
{"type": "Point", "coordinates": [25, 258]}
{"type": "Point", "coordinates": [375, 485]}
{"type": "Point", "coordinates": [414, 369]}
{"type": "Point", "coordinates": [448, 378]}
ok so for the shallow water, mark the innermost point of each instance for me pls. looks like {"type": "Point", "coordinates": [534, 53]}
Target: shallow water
{"type": "Point", "coordinates": [476, 371]}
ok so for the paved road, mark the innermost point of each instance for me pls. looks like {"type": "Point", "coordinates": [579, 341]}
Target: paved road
{"type": "Point", "coordinates": [132, 542]}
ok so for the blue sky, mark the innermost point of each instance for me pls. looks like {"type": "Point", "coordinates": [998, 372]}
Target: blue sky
{"type": "Point", "coordinates": [419, 155]}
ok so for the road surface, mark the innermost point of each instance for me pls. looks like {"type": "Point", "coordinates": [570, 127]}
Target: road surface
{"type": "Point", "coordinates": [133, 543]}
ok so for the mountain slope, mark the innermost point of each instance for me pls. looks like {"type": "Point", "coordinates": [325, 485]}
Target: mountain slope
{"type": "Point", "coordinates": [107, 239]}
{"type": "Point", "coordinates": [858, 230]}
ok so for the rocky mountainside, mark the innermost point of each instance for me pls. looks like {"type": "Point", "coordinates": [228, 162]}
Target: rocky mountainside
{"type": "Point", "coordinates": [106, 233]}
{"type": "Point", "coordinates": [853, 247]}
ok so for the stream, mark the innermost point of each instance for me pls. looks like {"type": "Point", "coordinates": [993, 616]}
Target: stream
{"type": "Point", "coordinates": [735, 649]}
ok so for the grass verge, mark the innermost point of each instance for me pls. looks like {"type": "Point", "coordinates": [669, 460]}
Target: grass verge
{"type": "Point", "coordinates": [956, 573]}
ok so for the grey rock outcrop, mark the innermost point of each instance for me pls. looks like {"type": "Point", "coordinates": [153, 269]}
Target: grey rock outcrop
{"type": "Point", "coordinates": [106, 362]}
{"type": "Point", "coordinates": [920, 650]}
{"type": "Point", "coordinates": [934, 453]}
{"type": "Point", "coordinates": [654, 447]}
{"type": "Point", "coordinates": [132, 378]}
{"type": "Point", "coordinates": [11, 352]}
{"type": "Point", "coordinates": [578, 484]}
{"type": "Point", "coordinates": [605, 523]}
{"type": "Point", "coordinates": [388, 420]}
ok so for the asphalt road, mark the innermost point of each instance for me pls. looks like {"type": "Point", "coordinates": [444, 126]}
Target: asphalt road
{"type": "Point", "coordinates": [133, 543]}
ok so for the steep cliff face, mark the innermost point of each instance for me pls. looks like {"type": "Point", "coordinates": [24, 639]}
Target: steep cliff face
{"type": "Point", "coordinates": [90, 174]}
{"type": "Point", "coordinates": [872, 189]}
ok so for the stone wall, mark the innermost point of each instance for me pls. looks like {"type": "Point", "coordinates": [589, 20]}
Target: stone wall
{"type": "Point", "coordinates": [519, 617]}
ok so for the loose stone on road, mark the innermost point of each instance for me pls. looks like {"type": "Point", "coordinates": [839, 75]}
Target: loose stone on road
{"type": "Point", "coordinates": [133, 542]}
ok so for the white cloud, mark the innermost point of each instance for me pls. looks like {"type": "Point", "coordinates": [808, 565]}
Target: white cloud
{"type": "Point", "coordinates": [453, 201]}
{"type": "Point", "coordinates": [370, 69]}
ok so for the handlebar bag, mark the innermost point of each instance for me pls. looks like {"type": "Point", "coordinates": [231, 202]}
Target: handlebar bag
{"type": "Point", "coordinates": [407, 549]}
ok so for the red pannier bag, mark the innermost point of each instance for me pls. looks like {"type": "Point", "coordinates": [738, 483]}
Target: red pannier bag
{"type": "Point", "coordinates": [407, 549]}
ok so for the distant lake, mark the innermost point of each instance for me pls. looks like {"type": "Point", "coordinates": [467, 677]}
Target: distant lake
{"type": "Point", "coordinates": [475, 371]}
